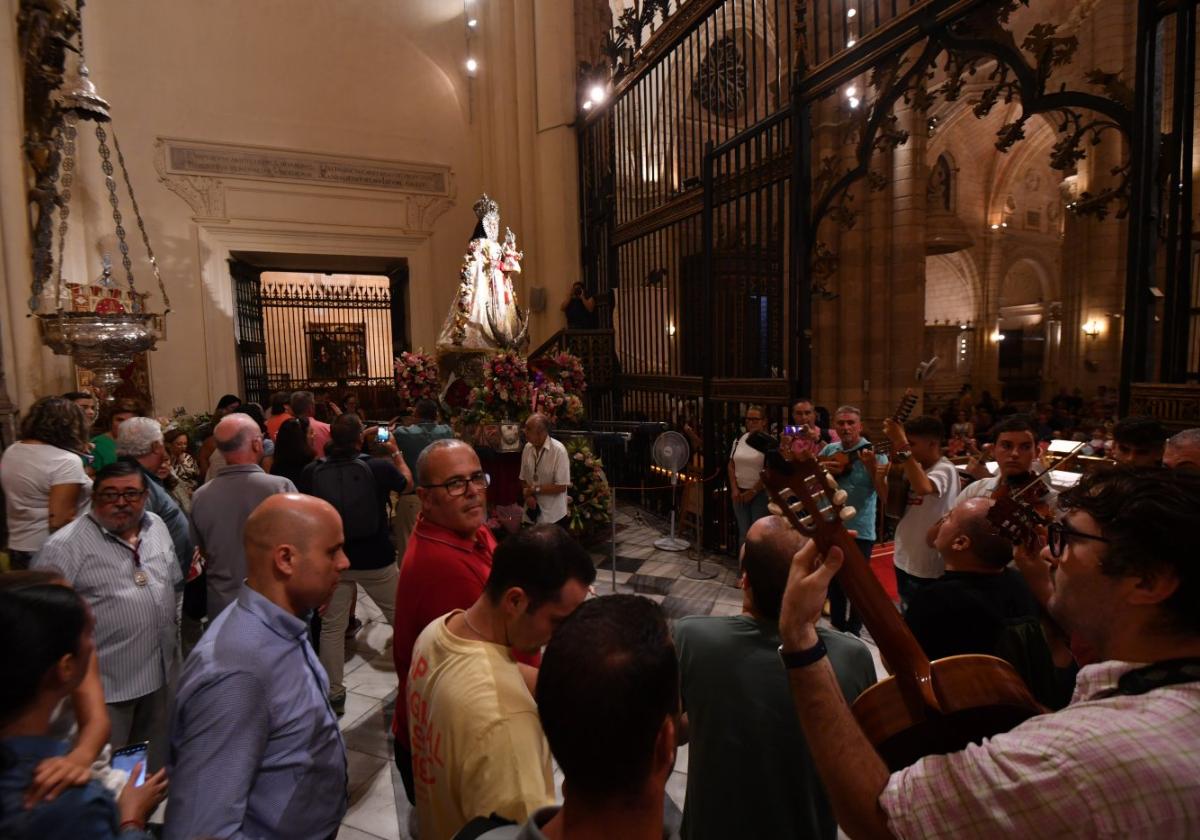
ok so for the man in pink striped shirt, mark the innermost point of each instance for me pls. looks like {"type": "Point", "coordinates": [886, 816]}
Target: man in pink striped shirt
{"type": "Point", "coordinates": [1122, 760]}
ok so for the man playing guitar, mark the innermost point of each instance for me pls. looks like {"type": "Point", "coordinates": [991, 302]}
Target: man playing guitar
{"type": "Point", "coordinates": [864, 479]}
{"type": "Point", "coordinates": [1122, 760]}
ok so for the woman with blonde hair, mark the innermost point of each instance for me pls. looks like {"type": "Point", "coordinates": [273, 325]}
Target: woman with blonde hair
{"type": "Point", "coordinates": [45, 486]}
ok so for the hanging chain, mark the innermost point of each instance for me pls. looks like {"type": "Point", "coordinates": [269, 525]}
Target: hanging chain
{"type": "Point", "coordinates": [137, 213]}
{"type": "Point", "coordinates": [66, 141]}
{"type": "Point", "coordinates": [111, 185]}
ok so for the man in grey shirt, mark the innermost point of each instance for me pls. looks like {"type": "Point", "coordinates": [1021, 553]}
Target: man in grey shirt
{"type": "Point", "coordinates": [221, 506]}
{"type": "Point", "coordinates": [255, 747]}
{"type": "Point", "coordinates": [141, 439]}
{"type": "Point", "coordinates": [412, 441]}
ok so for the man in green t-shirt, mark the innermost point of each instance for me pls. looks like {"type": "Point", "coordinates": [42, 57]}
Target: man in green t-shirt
{"type": "Point", "coordinates": [749, 771]}
{"type": "Point", "coordinates": [104, 447]}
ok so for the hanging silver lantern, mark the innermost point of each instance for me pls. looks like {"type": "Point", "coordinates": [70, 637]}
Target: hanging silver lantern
{"type": "Point", "coordinates": [107, 339]}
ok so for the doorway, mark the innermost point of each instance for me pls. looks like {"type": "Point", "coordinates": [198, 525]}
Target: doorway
{"type": "Point", "coordinates": [321, 324]}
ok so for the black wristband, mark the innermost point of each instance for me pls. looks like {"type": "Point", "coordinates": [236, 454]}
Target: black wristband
{"type": "Point", "coordinates": [801, 658]}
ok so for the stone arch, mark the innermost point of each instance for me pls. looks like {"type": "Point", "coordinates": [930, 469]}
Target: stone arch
{"type": "Point", "coordinates": [1026, 282]}
{"type": "Point", "coordinates": [952, 293]}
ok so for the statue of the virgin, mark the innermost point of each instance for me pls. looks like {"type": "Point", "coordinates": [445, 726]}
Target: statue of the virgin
{"type": "Point", "coordinates": [484, 315]}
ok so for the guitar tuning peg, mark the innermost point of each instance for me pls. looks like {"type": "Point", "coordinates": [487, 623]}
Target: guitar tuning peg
{"type": "Point", "coordinates": [848, 512]}
{"type": "Point", "coordinates": [831, 482]}
{"type": "Point", "coordinates": [839, 497]}
{"type": "Point", "coordinates": [774, 509]}
{"type": "Point", "coordinates": [807, 521]}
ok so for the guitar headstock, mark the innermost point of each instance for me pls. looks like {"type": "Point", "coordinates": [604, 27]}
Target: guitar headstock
{"type": "Point", "coordinates": [808, 497]}
{"type": "Point", "coordinates": [907, 403]}
{"type": "Point", "coordinates": [1015, 521]}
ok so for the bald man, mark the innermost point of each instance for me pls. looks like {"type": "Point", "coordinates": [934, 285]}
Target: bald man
{"type": "Point", "coordinates": [735, 693]}
{"type": "Point", "coordinates": [220, 507]}
{"type": "Point", "coordinates": [545, 473]}
{"type": "Point", "coordinates": [255, 746]}
{"type": "Point", "coordinates": [1183, 450]}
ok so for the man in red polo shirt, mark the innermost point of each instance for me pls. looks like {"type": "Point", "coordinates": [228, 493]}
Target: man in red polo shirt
{"type": "Point", "coordinates": [446, 563]}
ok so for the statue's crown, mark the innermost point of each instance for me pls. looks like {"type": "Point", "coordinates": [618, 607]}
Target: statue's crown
{"type": "Point", "coordinates": [485, 205]}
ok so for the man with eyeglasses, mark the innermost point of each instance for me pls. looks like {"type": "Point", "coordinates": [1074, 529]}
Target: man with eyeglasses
{"type": "Point", "coordinates": [120, 559]}
{"type": "Point", "coordinates": [446, 563]}
{"type": "Point", "coordinates": [1122, 760]}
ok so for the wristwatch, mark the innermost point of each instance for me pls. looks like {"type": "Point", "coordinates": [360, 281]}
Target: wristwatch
{"type": "Point", "coordinates": [802, 658]}
{"type": "Point", "coordinates": [901, 457]}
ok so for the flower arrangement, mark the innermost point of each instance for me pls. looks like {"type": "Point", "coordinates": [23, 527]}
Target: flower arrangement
{"type": "Point", "coordinates": [195, 425]}
{"type": "Point", "coordinates": [591, 497]}
{"type": "Point", "coordinates": [505, 390]}
{"type": "Point", "coordinates": [416, 376]}
{"type": "Point", "coordinates": [566, 369]}
{"type": "Point", "coordinates": [548, 397]}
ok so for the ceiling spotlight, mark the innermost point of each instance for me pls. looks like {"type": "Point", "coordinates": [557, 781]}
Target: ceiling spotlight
{"type": "Point", "coordinates": [851, 12]}
{"type": "Point", "coordinates": [852, 91]}
{"type": "Point", "coordinates": [472, 65]}
{"type": "Point", "coordinates": [472, 23]}
{"type": "Point", "coordinates": [597, 94]}
{"type": "Point", "coordinates": [851, 43]}
{"type": "Point", "coordinates": [587, 104]}
{"type": "Point", "coordinates": [854, 102]}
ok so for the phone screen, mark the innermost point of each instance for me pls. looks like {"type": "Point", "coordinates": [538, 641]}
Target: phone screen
{"type": "Point", "coordinates": [382, 435]}
{"type": "Point", "coordinates": [793, 431]}
{"type": "Point", "coordinates": [128, 757]}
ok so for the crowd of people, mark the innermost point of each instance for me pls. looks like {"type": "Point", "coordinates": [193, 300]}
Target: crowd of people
{"type": "Point", "coordinates": [507, 663]}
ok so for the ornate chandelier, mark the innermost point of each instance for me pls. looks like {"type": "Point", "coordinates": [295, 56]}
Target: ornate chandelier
{"type": "Point", "coordinates": [99, 325]}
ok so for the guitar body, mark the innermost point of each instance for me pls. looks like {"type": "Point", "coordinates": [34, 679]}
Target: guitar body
{"type": "Point", "coordinates": [897, 498]}
{"type": "Point", "coordinates": [979, 696]}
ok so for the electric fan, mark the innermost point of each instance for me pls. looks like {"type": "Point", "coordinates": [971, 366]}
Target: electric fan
{"type": "Point", "coordinates": [671, 452]}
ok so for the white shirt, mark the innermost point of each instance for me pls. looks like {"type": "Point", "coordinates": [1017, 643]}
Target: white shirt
{"type": "Point", "coordinates": [27, 472]}
{"type": "Point", "coordinates": [747, 463]}
{"type": "Point", "coordinates": [913, 554]}
{"type": "Point", "coordinates": [549, 465]}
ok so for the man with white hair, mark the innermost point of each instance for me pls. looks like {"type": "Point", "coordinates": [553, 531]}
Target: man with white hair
{"type": "Point", "coordinates": [140, 439]}
{"type": "Point", "coordinates": [221, 506]}
{"type": "Point", "coordinates": [1183, 450]}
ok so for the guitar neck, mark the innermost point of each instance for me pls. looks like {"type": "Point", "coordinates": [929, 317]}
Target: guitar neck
{"type": "Point", "coordinates": [897, 645]}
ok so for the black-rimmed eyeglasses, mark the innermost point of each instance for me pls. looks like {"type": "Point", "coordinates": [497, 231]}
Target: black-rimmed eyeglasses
{"type": "Point", "coordinates": [1058, 535]}
{"type": "Point", "coordinates": [458, 486]}
{"type": "Point", "coordinates": [109, 497]}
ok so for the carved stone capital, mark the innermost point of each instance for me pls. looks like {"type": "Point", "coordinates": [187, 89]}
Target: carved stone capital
{"type": "Point", "coordinates": [205, 195]}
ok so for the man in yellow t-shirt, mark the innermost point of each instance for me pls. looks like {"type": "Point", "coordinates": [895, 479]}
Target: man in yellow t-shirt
{"type": "Point", "coordinates": [477, 744]}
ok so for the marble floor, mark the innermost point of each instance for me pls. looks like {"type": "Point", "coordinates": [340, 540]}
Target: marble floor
{"type": "Point", "coordinates": [378, 807]}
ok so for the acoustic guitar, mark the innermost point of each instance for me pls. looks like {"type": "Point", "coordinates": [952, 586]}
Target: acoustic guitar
{"type": "Point", "coordinates": [925, 708]}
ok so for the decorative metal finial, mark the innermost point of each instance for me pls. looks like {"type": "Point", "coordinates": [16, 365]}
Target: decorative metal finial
{"type": "Point", "coordinates": [79, 96]}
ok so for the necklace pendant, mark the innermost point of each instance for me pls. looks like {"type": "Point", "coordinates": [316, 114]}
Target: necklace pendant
{"type": "Point", "coordinates": [140, 577]}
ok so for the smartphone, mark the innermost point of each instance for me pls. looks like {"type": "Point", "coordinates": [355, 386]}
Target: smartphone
{"type": "Point", "coordinates": [795, 431]}
{"type": "Point", "coordinates": [128, 757]}
{"type": "Point", "coordinates": [382, 435]}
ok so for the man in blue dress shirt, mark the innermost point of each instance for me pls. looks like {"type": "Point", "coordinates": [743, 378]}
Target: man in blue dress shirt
{"type": "Point", "coordinates": [255, 747]}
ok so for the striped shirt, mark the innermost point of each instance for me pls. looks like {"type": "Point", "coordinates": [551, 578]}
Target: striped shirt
{"type": "Point", "coordinates": [137, 627]}
{"type": "Point", "coordinates": [1105, 766]}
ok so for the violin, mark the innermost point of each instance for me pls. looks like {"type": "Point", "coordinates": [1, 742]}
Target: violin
{"type": "Point", "coordinates": [924, 708]}
{"type": "Point", "coordinates": [1022, 515]}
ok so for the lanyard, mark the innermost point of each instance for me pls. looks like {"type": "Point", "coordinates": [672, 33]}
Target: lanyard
{"type": "Point", "coordinates": [537, 460]}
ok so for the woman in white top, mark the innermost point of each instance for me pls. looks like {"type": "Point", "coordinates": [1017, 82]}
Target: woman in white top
{"type": "Point", "coordinates": [45, 486]}
{"type": "Point", "coordinates": [745, 486]}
